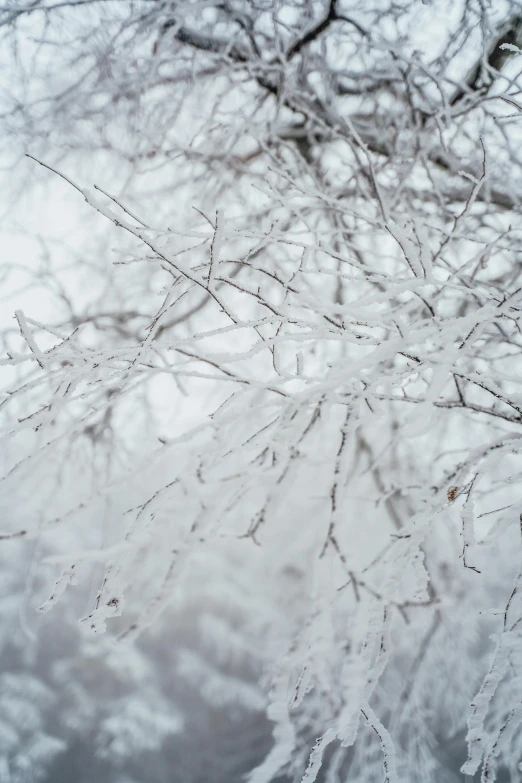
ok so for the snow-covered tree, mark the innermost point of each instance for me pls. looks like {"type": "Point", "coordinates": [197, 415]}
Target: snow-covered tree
{"type": "Point", "coordinates": [295, 374]}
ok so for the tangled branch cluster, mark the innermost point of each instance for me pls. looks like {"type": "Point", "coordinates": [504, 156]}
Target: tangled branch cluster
{"type": "Point", "coordinates": [346, 299]}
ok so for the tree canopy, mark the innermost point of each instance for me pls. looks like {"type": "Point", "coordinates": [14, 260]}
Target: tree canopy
{"type": "Point", "coordinates": [284, 354]}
